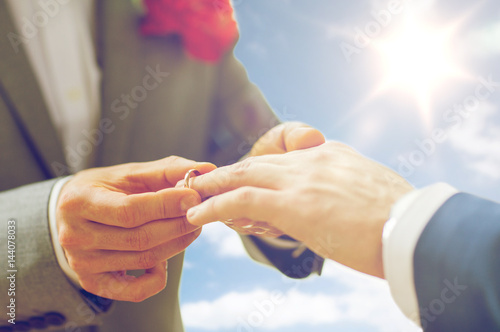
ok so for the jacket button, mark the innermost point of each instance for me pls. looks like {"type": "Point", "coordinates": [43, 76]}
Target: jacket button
{"type": "Point", "coordinates": [38, 322]}
{"type": "Point", "coordinates": [22, 326]}
{"type": "Point", "coordinates": [54, 318]}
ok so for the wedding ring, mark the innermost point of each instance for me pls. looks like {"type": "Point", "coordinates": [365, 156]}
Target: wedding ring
{"type": "Point", "coordinates": [299, 250]}
{"type": "Point", "coordinates": [187, 177]}
{"type": "Point", "coordinates": [228, 222]}
{"type": "Point", "coordinates": [259, 230]}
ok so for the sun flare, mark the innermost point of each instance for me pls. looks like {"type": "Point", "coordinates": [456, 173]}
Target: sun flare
{"type": "Point", "coordinates": [416, 60]}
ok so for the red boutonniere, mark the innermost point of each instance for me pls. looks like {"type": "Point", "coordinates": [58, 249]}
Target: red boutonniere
{"type": "Point", "coordinates": [207, 27]}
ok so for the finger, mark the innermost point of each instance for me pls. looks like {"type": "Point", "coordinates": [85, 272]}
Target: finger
{"type": "Point", "coordinates": [304, 137]}
{"type": "Point", "coordinates": [122, 287]}
{"type": "Point", "coordinates": [264, 172]}
{"type": "Point", "coordinates": [147, 236]}
{"type": "Point", "coordinates": [288, 136]}
{"type": "Point", "coordinates": [109, 260]}
{"type": "Point", "coordinates": [163, 173]}
{"type": "Point", "coordinates": [246, 202]}
{"type": "Point", "coordinates": [272, 142]}
{"type": "Point", "coordinates": [129, 211]}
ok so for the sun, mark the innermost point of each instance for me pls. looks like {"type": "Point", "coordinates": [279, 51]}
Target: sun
{"type": "Point", "coordinates": [417, 59]}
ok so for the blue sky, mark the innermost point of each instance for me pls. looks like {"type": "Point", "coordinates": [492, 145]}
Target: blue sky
{"type": "Point", "coordinates": [433, 121]}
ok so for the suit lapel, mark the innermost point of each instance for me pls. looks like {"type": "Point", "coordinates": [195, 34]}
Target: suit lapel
{"type": "Point", "coordinates": [19, 88]}
{"type": "Point", "coordinates": [127, 58]}
{"type": "Point", "coordinates": [118, 54]}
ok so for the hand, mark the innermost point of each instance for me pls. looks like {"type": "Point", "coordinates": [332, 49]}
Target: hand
{"type": "Point", "coordinates": [285, 137]}
{"type": "Point", "coordinates": [330, 197]}
{"type": "Point", "coordinates": [126, 217]}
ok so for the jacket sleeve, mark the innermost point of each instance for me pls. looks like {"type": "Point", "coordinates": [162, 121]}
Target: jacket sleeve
{"type": "Point", "coordinates": [242, 115]}
{"type": "Point", "coordinates": [33, 284]}
{"type": "Point", "coordinates": [457, 267]}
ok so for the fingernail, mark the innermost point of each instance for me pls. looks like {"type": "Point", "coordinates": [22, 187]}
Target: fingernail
{"type": "Point", "coordinates": [191, 213]}
{"type": "Point", "coordinates": [180, 184]}
{"type": "Point", "coordinates": [188, 202]}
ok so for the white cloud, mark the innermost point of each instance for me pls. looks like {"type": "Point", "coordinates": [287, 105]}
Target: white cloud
{"type": "Point", "coordinates": [350, 277]}
{"type": "Point", "coordinates": [260, 308]}
{"type": "Point", "coordinates": [227, 242]}
{"type": "Point", "coordinates": [366, 300]}
{"type": "Point", "coordinates": [479, 139]}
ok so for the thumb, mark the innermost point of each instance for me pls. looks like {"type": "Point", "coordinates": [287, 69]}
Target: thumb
{"type": "Point", "coordinates": [287, 136]}
{"type": "Point", "coordinates": [298, 136]}
{"type": "Point", "coordinates": [304, 137]}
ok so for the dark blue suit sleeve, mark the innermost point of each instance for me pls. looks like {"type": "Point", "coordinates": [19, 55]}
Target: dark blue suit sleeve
{"type": "Point", "coordinates": [293, 267]}
{"type": "Point", "coordinates": [457, 267]}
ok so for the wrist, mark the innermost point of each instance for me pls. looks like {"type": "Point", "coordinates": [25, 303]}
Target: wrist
{"type": "Point", "coordinates": [58, 249]}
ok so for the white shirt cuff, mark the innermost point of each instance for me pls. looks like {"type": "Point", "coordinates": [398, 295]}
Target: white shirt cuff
{"type": "Point", "coordinates": [409, 216]}
{"type": "Point", "coordinates": [61, 258]}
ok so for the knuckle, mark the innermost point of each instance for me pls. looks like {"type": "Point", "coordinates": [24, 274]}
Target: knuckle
{"type": "Point", "coordinates": [88, 284]}
{"type": "Point", "coordinates": [68, 238]}
{"type": "Point", "coordinates": [172, 159]}
{"type": "Point", "coordinates": [323, 154]}
{"type": "Point", "coordinates": [164, 209]}
{"type": "Point", "coordinates": [139, 239]}
{"type": "Point", "coordinates": [147, 259]}
{"type": "Point", "coordinates": [218, 181]}
{"type": "Point", "coordinates": [124, 214]}
{"type": "Point", "coordinates": [241, 168]}
{"type": "Point", "coordinates": [65, 237]}
{"type": "Point", "coordinates": [76, 264]}
{"type": "Point", "coordinates": [68, 201]}
{"type": "Point", "coordinates": [244, 196]}
{"type": "Point", "coordinates": [312, 176]}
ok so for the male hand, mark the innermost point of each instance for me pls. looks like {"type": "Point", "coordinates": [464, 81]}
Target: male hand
{"type": "Point", "coordinates": [285, 137]}
{"type": "Point", "coordinates": [331, 198]}
{"type": "Point", "coordinates": [126, 217]}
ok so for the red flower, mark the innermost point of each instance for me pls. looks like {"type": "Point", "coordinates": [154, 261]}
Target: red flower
{"type": "Point", "coordinates": [207, 27]}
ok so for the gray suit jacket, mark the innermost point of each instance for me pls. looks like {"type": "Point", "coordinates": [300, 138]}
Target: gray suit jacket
{"type": "Point", "coordinates": [202, 112]}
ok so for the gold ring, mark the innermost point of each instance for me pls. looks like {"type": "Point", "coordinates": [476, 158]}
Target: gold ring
{"type": "Point", "coordinates": [228, 222]}
{"type": "Point", "coordinates": [259, 230]}
{"type": "Point", "coordinates": [188, 176]}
